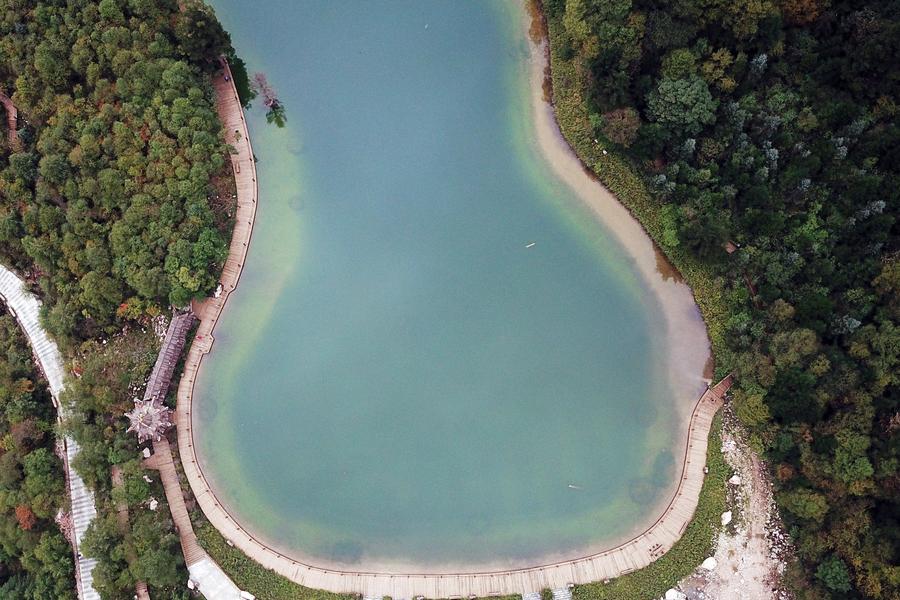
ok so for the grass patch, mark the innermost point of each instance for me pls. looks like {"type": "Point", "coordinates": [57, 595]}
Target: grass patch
{"type": "Point", "coordinates": [250, 576]}
{"type": "Point", "coordinates": [263, 583]}
{"type": "Point", "coordinates": [694, 546]}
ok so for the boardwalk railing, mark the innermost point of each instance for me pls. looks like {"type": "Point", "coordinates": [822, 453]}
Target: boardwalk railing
{"type": "Point", "coordinates": [627, 557]}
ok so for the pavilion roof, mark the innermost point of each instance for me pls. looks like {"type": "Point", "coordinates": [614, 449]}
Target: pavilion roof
{"type": "Point", "coordinates": [149, 419]}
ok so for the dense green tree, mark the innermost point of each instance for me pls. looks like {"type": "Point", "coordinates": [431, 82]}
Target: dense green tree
{"type": "Point", "coordinates": [833, 573]}
{"type": "Point", "coordinates": [805, 504]}
{"type": "Point", "coordinates": [621, 126]}
{"type": "Point", "coordinates": [103, 541]}
{"type": "Point", "coordinates": [105, 210]}
{"type": "Point", "coordinates": [201, 37]}
{"type": "Point", "coordinates": [683, 106]}
{"type": "Point", "coordinates": [111, 189]}
{"type": "Point", "coordinates": [157, 549]}
{"type": "Point", "coordinates": [35, 560]}
{"type": "Point", "coordinates": [768, 127]}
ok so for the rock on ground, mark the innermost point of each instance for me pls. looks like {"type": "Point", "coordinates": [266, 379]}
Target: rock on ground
{"type": "Point", "coordinates": [751, 547]}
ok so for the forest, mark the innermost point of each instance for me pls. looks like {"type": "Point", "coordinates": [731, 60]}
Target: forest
{"type": "Point", "coordinates": [757, 141]}
{"type": "Point", "coordinates": [106, 198]}
{"type": "Point", "coordinates": [114, 205]}
{"type": "Point", "coordinates": [35, 558]}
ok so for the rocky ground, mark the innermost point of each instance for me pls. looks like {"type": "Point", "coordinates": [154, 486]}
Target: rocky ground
{"type": "Point", "coordinates": [751, 548]}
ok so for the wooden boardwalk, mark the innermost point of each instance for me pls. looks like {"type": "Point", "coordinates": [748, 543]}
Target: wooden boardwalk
{"type": "Point", "coordinates": [207, 576]}
{"type": "Point", "coordinates": [237, 135]}
{"type": "Point", "coordinates": [164, 368]}
{"type": "Point", "coordinates": [634, 554]}
{"type": "Point", "coordinates": [163, 462]}
{"type": "Point", "coordinates": [630, 556]}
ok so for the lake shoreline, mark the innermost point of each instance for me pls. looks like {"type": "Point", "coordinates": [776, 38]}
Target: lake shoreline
{"type": "Point", "coordinates": [636, 242]}
{"type": "Point", "coordinates": [687, 333]}
{"type": "Point", "coordinates": [685, 340]}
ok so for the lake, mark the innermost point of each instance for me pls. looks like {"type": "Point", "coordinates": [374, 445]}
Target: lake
{"type": "Point", "coordinates": [438, 356]}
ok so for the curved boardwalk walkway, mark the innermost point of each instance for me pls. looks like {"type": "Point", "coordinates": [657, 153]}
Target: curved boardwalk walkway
{"type": "Point", "coordinates": [236, 133]}
{"type": "Point", "coordinates": [207, 576]}
{"type": "Point", "coordinates": [630, 556]}
{"type": "Point", "coordinates": [26, 308]}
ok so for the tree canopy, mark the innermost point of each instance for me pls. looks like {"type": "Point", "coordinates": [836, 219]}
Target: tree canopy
{"type": "Point", "coordinates": [108, 201]}
{"type": "Point", "coordinates": [35, 559]}
{"type": "Point", "coordinates": [770, 127]}
{"type": "Point", "coordinates": [115, 203]}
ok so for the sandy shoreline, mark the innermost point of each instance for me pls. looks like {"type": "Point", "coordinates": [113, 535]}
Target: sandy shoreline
{"type": "Point", "coordinates": [688, 345]}
{"type": "Point", "coordinates": [684, 341]}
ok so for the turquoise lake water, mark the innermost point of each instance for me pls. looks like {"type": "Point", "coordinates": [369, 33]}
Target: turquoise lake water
{"type": "Point", "coordinates": [399, 379]}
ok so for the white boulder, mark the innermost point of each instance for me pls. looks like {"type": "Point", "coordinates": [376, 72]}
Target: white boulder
{"type": "Point", "coordinates": [709, 564]}
{"type": "Point", "coordinates": [735, 480]}
{"type": "Point", "coordinates": [726, 517]}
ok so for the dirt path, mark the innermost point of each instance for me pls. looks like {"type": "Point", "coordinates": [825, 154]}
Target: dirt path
{"type": "Point", "coordinates": [12, 120]}
{"type": "Point", "coordinates": [140, 587]}
{"type": "Point", "coordinates": [749, 550]}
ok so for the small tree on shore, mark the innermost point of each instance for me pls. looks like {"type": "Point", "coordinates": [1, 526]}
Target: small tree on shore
{"type": "Point", "coordinates": [275, 113]}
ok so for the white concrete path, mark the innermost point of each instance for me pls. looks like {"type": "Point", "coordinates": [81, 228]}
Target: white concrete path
{"type": "Point", "coordinates": [26, 308]}
{"type": "Point", "coordinates": [212, 581]}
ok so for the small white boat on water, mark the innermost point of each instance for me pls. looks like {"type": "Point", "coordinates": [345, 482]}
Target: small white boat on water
{"type": "Point", "coordinates": [530, 244]}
